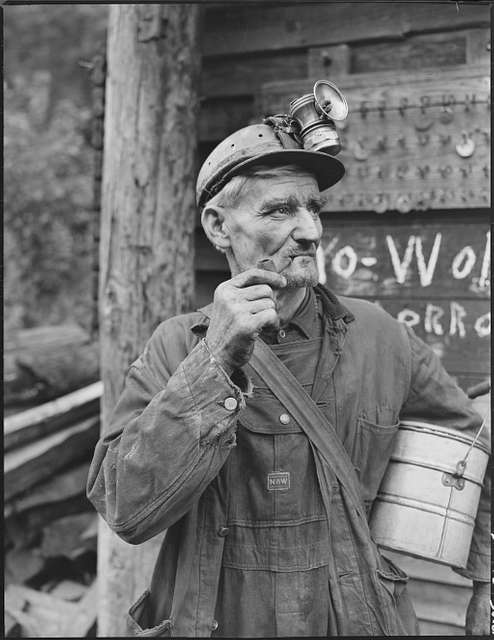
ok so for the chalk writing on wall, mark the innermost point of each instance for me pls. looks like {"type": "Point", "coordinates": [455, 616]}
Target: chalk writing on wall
{"type": "Point", "coordinates": [345, 260]}
{"type": "Point", "coordinates": [442, 269]}
{"type": "Point", "coordinates": [446, 319]}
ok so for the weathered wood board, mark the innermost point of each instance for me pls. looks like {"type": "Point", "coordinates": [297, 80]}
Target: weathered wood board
{"type": "Point", "coordinates": [407, 259]}
{"type": "Point", "coordinates": [416, 142]}
{"type": "Point", "coordinates": [47, 371]}
{"type": "Point", "coordinates": [448, 48]}
{"type": "Point", "coordinates": [44, 337]}
{"type": "Point", "coordinates": [243, 75]}
{"type": "Point", "coordinates": [39, 421]}
{"type": "Point", "coordinates": [66, 485]}
{"type": "Point", "coordinates": [20, 565]}
{"type": "Point", "coordinates": [42, 615]}
{"type": "Point", "coordinates": [39, 614]}
{"type": "Point", "coordinates": [458, 331]}
{"type": "Point", "coordinates": [69, 590]}
{"type": "Point", "coordinates": [42, 362]}
{"type": "Point", "coordinates": [275, 94]}
{"type": "Point", "coordinates": [238, 78]}
{"type": "Point", "coordinates": [63, 536]}
{"type": "Point", "coordinates": [27, 465]}
{"type": "Point", "coordinates": [418, 51]}
{"type": "Point", "coordinates": [22, 530]}
{"type": "Point", "coordinates": [242, 29]}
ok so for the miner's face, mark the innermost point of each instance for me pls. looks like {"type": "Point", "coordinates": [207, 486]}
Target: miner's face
{"type": "Point", "coordinates": [277, 218]}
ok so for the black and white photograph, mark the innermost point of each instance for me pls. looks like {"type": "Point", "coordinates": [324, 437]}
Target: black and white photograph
{"type": "Point", "coordinates": [247, 326]}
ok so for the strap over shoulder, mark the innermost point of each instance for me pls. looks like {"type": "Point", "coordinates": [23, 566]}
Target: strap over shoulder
{"type": "Point", "coordinates": [316, 426]}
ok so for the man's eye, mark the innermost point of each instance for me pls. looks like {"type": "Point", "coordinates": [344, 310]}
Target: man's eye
{"type": "Point", "coordinates": [283, 210]}
{"type": "Point", "coordinates": [315, 209]}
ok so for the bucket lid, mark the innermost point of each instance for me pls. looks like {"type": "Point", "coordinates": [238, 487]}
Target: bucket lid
{"type": "Point", "coordinates": [443, 432]}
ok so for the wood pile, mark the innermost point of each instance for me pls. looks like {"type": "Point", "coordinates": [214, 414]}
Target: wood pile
{"type": "Point", "coordinates": [50, 526]}
{"type": "Point", "coordinates": [46, 362]}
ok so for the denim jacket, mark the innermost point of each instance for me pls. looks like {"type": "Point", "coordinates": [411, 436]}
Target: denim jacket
{"type": "Point", "coordinates": [174, 426]}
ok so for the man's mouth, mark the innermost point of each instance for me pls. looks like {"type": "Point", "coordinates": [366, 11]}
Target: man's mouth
{"type": "Point", "coordinates": [287, 261]}
{"type": "Point", "coordinates": [307, 254]}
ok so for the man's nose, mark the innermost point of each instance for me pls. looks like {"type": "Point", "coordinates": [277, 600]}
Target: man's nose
{"type": "Point", "coordinates": [308, 226]}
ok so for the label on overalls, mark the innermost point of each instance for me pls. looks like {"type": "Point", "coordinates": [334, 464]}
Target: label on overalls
{"type": "Point", "coordinates": [278, 481]}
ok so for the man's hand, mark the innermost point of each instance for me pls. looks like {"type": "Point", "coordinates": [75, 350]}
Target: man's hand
{"type": "Point", "coordinates": [478, 610]}
{"type": "Point", "coordinates": [242, 306]}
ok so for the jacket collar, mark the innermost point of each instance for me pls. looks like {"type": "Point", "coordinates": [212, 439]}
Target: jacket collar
{"type": "Point", "coordinates": [333, 308]}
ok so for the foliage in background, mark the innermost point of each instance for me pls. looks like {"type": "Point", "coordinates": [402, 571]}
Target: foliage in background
{"type": "Point", "coordinates": [48, 243]}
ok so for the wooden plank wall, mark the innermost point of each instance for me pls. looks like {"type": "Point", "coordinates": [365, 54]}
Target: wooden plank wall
{"type": "Point", "coordinates": [419, 141]}
{"type": "Point", "coordinates": [247, 47]}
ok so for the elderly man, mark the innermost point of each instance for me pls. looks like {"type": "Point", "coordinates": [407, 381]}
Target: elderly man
{"type": "Point", "coordinates": [257, 430]}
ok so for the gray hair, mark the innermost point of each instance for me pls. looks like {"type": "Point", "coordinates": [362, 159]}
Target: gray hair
{"type": "Point", "coordinates": [230, 193]}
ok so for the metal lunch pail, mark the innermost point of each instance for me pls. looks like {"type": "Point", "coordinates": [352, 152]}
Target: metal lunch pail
{"type": "Point", "coordinates": [428, 500]}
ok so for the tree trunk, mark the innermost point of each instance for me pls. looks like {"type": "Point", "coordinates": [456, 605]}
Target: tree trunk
{"type": "Point", "coordinates": [148, 213]}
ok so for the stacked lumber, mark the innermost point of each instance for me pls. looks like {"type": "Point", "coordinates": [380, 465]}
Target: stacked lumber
{"type": "Point", "coordinates": [45, 362]}
{"type": "Point", "coordinates": [43, 615]}
{"type": "Point", "coordinates": [50, 526]}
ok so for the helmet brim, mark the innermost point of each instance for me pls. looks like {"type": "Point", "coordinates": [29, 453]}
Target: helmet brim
{"type": "Point", "coordinates": [326, 169]}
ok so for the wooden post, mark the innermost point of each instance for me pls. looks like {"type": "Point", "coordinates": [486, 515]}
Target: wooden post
{"type": "Point", "coordinates": [148, 213]}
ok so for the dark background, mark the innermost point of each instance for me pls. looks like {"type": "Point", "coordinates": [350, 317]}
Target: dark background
{"type": "Point", "coordinates": [48, 162]}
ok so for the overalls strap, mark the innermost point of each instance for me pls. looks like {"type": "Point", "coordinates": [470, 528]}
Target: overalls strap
{"type": "Point", "coordinates": [311, 419]}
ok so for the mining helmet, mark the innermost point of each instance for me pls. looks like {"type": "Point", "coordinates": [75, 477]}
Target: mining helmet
{"type": "Point", "coordinates": [272, 143]}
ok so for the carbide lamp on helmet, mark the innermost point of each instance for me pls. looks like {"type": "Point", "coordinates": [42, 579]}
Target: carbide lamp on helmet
{"type": "Point", "coordinates": [280, 140]}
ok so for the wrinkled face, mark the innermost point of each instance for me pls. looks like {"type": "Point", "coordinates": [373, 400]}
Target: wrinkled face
{"type": "Point", "coordinates": [277, 217]}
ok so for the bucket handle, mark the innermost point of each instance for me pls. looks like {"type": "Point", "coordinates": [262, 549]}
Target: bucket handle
{"type": "Point", "coordinates": [461, 464]}
{"type": "Point", "coordinates": [477, 390]}
{"type": "Point", "coordinates": [456, 479]}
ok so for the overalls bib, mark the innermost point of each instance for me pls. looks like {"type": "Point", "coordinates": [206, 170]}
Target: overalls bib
{"type": "Point", "coordinates": [274, 576]}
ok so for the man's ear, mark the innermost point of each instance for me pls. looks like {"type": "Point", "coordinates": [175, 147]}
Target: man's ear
{"type": "Point", "coordinates": [215, 227]}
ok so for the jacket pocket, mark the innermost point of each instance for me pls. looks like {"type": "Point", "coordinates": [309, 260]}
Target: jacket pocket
{"type": "Point", "coordinates": [138, 620]}
{"type": "Point", "coordinates": [392, 578]}
{"type": "Point", "coordinates": [401, 618]}
{"type": "Point", "coordinates": [266, 415]}
{"type": "Point", "coordinates": [374, 447]}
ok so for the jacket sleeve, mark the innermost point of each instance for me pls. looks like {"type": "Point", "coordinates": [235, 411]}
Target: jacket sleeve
{"type": "Point", "coordinates": [434, 397]}
{"type": "Point", "coordinates": [169, 435]}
